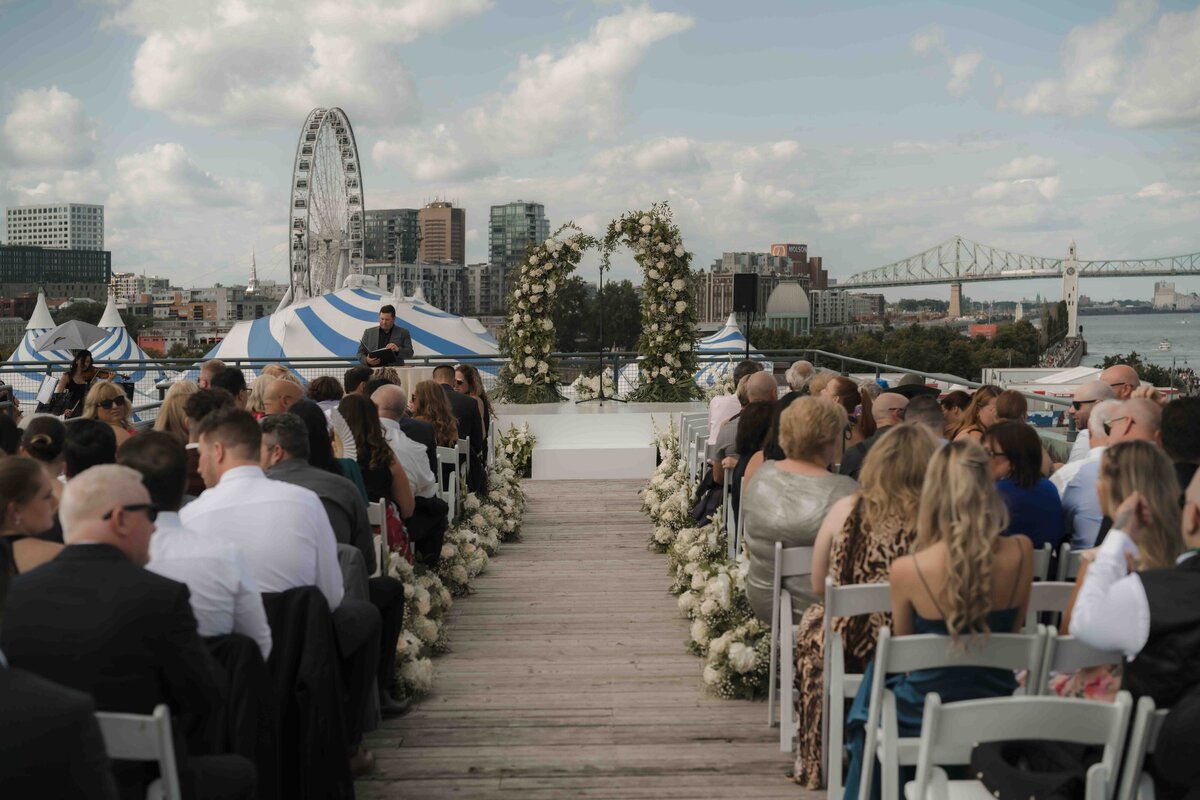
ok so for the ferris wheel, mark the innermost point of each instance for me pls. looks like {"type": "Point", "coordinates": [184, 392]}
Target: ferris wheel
{"type": "Point", "coordinates": [325, 218]}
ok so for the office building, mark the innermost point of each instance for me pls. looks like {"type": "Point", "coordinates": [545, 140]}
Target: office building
{"type": "Point", "coordinates": [829, 307]}
{"type": "Point", "coordinates": [64, 274]}
{"type": "Point", "coordinates": [62, 226]}
{"type": "Point", "coordinates": [866, 306]}
{"type": "Point", "coordinates": [392, 234]}
{"type": "Point", "coordinates": [442, 285]}
{"type": "Point", "coordinates": [513, 227]}
{"type": "Point", "coordinates": [487, 289]}
{"type": "Point", "coordinates": [443, 230]}
{"type": "Point", "coordinates": [130, 288]}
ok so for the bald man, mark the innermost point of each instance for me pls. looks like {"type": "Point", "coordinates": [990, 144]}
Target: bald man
{"type": "Point", "coordinates": [280, 396]}
{"type": "Point", "coordinates": [1085, 399]}
{"type": "Point", "coordinates": [888, 410]}
{"type": "Point", "coordinates": [1122, 379]}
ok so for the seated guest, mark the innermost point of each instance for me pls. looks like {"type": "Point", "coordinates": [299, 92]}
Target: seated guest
{"type": "Point", "coordinates": [108, 403]}
{"type": "Point", "coordinates": [787, 500]}
{"type": "Point", "coordinates": [770, 449]}
{"type": "Point", "coordinates": [27, 506]}
{"type": "Point", "coordinates": [724, 407]}
{"type": "Point", "coordinates": [925, 410]}
{"type": "Point", "coordinates": [374, 384]}
{"type": "Point", "coordinates": [94, 620]}
{"type": "Point", "coordinates": [861, 536]}
{"type": "Point", "coordinates": [468, 381]}
{"type": "Point", "coordinates": [198, 406]}
{"type": "Point", "coordinates": [1098, 417]}
{"type": "Point", "coordinates": [856, 402]}
{"type": "Point", "coordinates": [798, 375]}
{"type": "Point", "coordinates": [1086, 397]}
{"type": "Point", "coordinates": [224, 597]}
{"type": "Point", "coordinates": [1180, 436]}
{"type": "Point", "coordinates": [258, 393]}
{"type": "Point", "coordinates": [390, 401]}
{"type": "Point", "coordinates": [888, 410]}
{"type": "Point", "coordinates": [1151, 617]}
{"type": "Point", "coordinates": [10, 434]}
{"type": "Point", "coordinates": [430, 405]}
{"type": "Point", "coordinates": [1011, 406]}
{"type": "Point", "coordinates": [172, 418]}
{"type": "Point", "coordinates": [355, 379]}
{"type": "Point", "coordinates": [1034, 508]}
{"type": "Point", "coordinates": [381, 470]}
{"type": "Point", "coordinates": [325, 392]}
{"type": "Point", "coordinates": [44, 441]}
{"type": "Point", "coordinates": [978, 416]}
{"type": "Point", "coordinates": [1138, 419]}
{"type": "Point", "coordinates": [50, 738]}
{"type": "Point", "coordinates": [280, 372]}
{"type": "Point", "coordinates": [470, 426]}
{"type": "Point", "coordinates": [232, 380]}
{"type": "Point", "coordinates": [754, 423]}
{"type": "Point", "coordinates": [953, 406]}
{"type": "Point", "coordinates": [760, 387]}
{"type": "Point", "coordinates": [964, 580]}
{"type": "Point", "coordinates": [281, 529]}
{"type": "Point", "coordinates": [207, 370]}
{"type": "Point", "coordinates": [820, 381]}
{"type": "Point", "coordinates": [281, 395]}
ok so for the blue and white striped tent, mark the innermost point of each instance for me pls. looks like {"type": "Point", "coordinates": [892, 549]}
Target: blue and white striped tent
{"type": "Point", "coordinates": [729, 340]}
{"type": "Point", "coordinates": [331, 326]}
{"type": "Point", "coordinates": [120, 346]}
{"type": "Point", "coordinates": [26, 380]}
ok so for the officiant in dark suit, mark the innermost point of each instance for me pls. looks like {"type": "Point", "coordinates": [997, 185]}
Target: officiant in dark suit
{"type": "Point", "coordinates": [387, 336]}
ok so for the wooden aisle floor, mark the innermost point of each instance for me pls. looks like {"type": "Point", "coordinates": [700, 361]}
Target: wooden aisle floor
{"type": "Point", "coordinates": [569, 677]}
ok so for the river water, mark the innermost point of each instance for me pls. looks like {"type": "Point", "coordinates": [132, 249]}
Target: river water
{"type": "Point", "coordinates": [1120, 333]}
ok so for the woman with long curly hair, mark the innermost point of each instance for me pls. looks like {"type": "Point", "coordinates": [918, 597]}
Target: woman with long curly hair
{"type": "Point", "coordinates": [429, 404]}
{"type": "Point", "coordinates": [979, 415]}
{"type": "Point", "coordinates": [964, 580]}
{"type": "Point", "coordinates": [171, 418]}
{"type": "Point", "coordinates": [381, 470]}
{"type": "Point", "coordinates": [861, 536]}
{"type": "Point", "coordinates": [468, 381]}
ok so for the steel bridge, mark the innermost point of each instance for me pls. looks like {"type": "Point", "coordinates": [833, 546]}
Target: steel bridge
{"type": "Point", "coordinates": [957, 261]}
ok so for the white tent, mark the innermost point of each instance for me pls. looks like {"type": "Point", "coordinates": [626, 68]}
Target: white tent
{"type": "Point", "coordinates": [731, 341]}
{"type": "Point", "coordinates": [120, 346]}
{"type": "Point", "coordinates": [26, 380]}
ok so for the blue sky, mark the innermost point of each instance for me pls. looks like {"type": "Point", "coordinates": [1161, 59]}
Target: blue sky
{"type": "Point", "coordinates": [868, 131]}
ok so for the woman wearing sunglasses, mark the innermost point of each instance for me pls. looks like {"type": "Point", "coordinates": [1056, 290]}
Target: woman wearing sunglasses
{"type": "Point", "coordinates": [107, 402]}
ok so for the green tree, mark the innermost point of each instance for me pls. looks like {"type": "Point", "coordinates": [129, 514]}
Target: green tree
{"type": "Point", "coordinates": [181, 350]}
{"type": "Point", "coordinates": [622, 316]}
{"type": "Point", "coordinates": [570, 315]}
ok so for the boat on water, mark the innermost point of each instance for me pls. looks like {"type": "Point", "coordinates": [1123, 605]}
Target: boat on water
{"type": "Point", "coordinates": [1164, 345]}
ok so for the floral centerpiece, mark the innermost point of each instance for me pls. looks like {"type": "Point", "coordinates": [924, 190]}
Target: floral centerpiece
{"type": "Point", "coordinates": [724, 384]}
{"type": "Point", "coordinates": [516, 445]}
{"type": "Point", "coordinates": [587, 387]}
{"type": "Point", "coordinates": [666, 371]}
{"type": "Point", "coordinates": [530, 374]}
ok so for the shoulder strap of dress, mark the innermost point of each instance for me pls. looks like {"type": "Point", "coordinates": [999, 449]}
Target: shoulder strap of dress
{"type": "Point", "coordinates": [925, 583]}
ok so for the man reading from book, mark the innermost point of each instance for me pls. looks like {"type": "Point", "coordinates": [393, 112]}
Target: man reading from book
{"type": "Point", "coordinates": [387, 345]}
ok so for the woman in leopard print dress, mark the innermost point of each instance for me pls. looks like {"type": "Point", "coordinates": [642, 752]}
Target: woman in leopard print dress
{"type": "Point", "coordinates": [861, 536]}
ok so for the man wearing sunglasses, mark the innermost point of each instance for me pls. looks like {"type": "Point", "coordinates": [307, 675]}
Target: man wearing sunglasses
{"type": "Point", "coordinates": [1122, 379]}
{"type": "Point", "coordinates": [1085, 399]}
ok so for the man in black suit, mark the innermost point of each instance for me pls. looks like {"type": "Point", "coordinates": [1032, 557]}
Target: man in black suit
{"type": "Point", "coordinates": [470, 424]}
{"type": "Point", "coordinates": [49, 735]}
{"type": "Point", "coordinates": [389, 336]}
{"type": "Point", "coordinates": [94, 620]}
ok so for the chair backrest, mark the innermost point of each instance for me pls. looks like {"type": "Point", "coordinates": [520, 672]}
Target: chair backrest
{"type": "Point", "coordinates": [447, 459]}
{"type": "Point", "coordinates": [1014, 651]}
{"type": "Point", "coordinates": [375, 513]}
{"type": "Point", "coordinates": [1068, 654]}
{"type": "Point", "coordinates": [1069, 562]}
{"type": "Point", "coordinates": [142, 737]}
{"type": "Point", "coordinates": [856, 599]}
{"type": "Point", "coordinates": [1041, 562]}
{"type": "Point", "coordinates": [1047, 596]}
{"type": "Point", "coordinates": [950, 731]}
{"type": "Point", "coordinates": [1147, 724]}
{"type": "Point", "coordinates": [464, 454]}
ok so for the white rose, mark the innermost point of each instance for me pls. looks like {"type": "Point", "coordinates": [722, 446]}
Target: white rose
{"type": "Point", "coordinates": [683, 348]}
{"type": "Point", "coordinates": [448, 550]}
{"type": "Point", "coordinates": [719, 645]}
{"type": "Point", "coordinates": [537, 288]}
{"type": "Point", "coordinates": [680, 307]}
{"type": "Point", "coordinates": [708, 607]}
{"type": "Point", "coordinates": [547, 324]}
{"type": "Point", "coordinates": [645, 229]}
{"type": "Point", "coordinates": [530, 362]}
{"type": "Point", "coordinates": [533, 259]}
{"type": "Point", "coordinates": [741, 658]}
{"type": "Point", "coordinates": [711, 676]}
{"type": "Point", "coordinates": [644, 221]}
{"type": "Point", "coordinates": [678, 284]}
{"type": "Point", "coordinates": [527, 318]}
{"type": "Point", "coordinates": [528, 349]}
{"type": "Point", "coordinates": [543, 367]}
{"type": "Point", "coordinates": [699, 632]}
{"type": "Point", "coordinates": [679, 251]}
{"type": "Point", "coordinates": [652, 274]}
{"type": "Point", "coordinates": [550, 286]}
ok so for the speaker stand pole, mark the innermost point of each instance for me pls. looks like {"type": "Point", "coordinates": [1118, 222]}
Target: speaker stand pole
{"type": "Point", "coordinates": [600, 398]}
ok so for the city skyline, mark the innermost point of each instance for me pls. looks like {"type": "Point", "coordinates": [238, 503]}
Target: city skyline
{"type": "Point", "coordinates": [868, 132]}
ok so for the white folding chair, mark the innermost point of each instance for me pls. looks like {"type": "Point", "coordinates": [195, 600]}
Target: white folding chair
{"type": "Point", "coordinates": [699, 454]}
{"type": "Point", "coordinates": [789, 563]}
{"type": "Point", "coordinates": [949, 732]}
{"type": "Point", "coordinates": [1047, 596]}
{"type": "Point", "coordinates": [464, 456]}
{"type": "Point", "coordinates": [740, 530]}
{"type": "Point", "coordinates": [1013, 651]}
{"type": "Point", "coordinates": [1068, 654]}
{"type": "Point", "coordinates": [1041, 562]}
{"type": "Point", "coordinates": [727, 514]}
{"type": "Point", "coordinates": [840, 686]}
{"type": "Point", "coordinates": [144, 737]}
{"type": "Point", "coordinates": [1147, 724]}
{"type": "Point", "coordinates": [1069, 562]}
{"type": "Point", "coordinates": [447, 462]}
{"type": "Point", "coordinates": [377, 518]}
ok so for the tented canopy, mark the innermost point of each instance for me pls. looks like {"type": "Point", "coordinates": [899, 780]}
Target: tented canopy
{"type": "Point", "coordinates": [25, 380]}
{"type": "Point", "coordinates": [729, 340]}
{"type": "Point", "coordinates": [120, 346]}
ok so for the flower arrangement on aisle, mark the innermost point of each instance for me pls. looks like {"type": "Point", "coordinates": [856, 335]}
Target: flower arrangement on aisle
{"type": "Point", "coordinates": [530, 374]}
{"type": "Point", "coordinates": [724, 384]}
{"type": "Point", "coordinates": [587, 387]}
{"type": "Point", "coordinates": [666, 370]}
{"type": "Point", "coordinates": [484, 523]}
{"type": "Point", "coordinates": [516, 445]}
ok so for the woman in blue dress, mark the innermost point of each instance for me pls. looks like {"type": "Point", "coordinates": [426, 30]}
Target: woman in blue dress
{"type": "Point", "coordinates": [964, 580]}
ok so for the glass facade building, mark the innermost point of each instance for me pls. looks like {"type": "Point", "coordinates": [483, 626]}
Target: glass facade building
{"type": "Point", "coordinates": [513, 227]}
{"type": "Point", "coordinates": [392, 234]}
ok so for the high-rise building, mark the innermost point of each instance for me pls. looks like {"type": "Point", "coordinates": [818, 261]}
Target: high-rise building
{"type": "Point", "coordinates": [129, 287]}
{"type": "Point", "coordinates": [393, 234]}
{"type": "Point", "coordinates": [829, 307]}
{"type": "Point", "coordinates": [443, 285]}
{"type": "Point", "coordinates": [486, 289]}
{"type": "Point", "coordinates": [443, 234]}
{"type": "Point", "coordinates": [513, 227]}
{"type": "Point", "coordinates": [64, 274]}
{"type": "Point", "coordinates": [61, 226]}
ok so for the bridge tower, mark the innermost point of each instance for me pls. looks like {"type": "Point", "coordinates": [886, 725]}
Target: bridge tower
{"type": "Point", "coordinates": [1071, 290]}
{"type": "Point", "coordinates": [955, 310]}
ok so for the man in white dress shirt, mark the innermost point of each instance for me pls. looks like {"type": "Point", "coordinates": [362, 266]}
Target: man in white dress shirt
{"type": "Point", "coordinates": [1097, 440]}
{"type": "Point", "coordinates": [1083, 403]}
{"type": "Point", "coordinates": [391, 400]}
{"type": "Point", "coordinates": [224, 597]}
{"type": "Point", "coordinates": [281, 529]}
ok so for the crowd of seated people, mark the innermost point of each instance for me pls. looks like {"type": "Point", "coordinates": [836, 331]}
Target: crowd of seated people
{"type": "Point", "coordinates": [221, 564]}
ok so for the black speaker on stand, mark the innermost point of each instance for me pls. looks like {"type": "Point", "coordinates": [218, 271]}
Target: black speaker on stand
{"type": "Point", "coordinates": [745, 300]}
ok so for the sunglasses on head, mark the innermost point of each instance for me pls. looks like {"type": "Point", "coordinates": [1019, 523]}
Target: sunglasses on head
{"type": "Point", "coordinates": [150, 509]}
{"type": "Point", "coordinates": [110, 402]}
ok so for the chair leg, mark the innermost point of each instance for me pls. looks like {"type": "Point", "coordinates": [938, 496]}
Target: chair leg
{"type": "Point", "coordinates": [772, 685]}
{"type": "Point", "coordinates": [787, 682]}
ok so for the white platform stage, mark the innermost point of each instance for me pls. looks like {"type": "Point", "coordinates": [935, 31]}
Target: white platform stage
{"type": "Point", "coordinates": [592, 440]}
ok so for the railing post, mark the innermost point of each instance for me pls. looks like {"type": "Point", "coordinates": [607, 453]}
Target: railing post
{"type": "Point", "coordinates": [1072, 431]}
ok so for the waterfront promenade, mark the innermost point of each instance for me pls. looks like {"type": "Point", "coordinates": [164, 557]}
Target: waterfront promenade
{"type": "Point", "coordinates": [569, 677]}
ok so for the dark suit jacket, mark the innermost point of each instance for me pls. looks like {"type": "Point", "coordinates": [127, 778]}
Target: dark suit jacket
{"type": "Point", "coordinates": [342, 500]}
{"type": "Point", "coordinates": [421, 432]}
{"type": "Point", "coordinates": [50, 740]}
{"type": "Point", "coordinates": [853, 458]}
{"type": "Point", "coordinates": [397, 336]}
{"type": "Point", "coordinates": [470, 423]}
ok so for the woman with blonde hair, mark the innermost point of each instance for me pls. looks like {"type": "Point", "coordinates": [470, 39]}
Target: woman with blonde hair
{"type": "Point", "coordinates": [429, 404]}
{"type": "Point", "coordinates": [256, 403]}
{"type": "Point", "coordinates": [787, 500]}
{"type": "Point", "coordinates": [964, 580]}
{"type": "Point", "coordinates": [979, 415]}
{"type": "Point", "coordinates": [861, 536]}
{"type": "Point", "coordinates": [108, 403]}
{"type": "Point", "coordinates": [171, 418]}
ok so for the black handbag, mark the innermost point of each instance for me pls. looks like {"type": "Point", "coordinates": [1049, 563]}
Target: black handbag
{"type": "Point", "coordinates": [1033, 770]}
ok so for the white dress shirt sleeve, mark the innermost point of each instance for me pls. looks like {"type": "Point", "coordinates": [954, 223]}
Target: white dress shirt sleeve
{"type": "Point", "coordinates": [329, 573]}
{"type": "Point", "coordinates": [249, 616]}
{"type": "Point", "coordinates": [1080, 447]}
{"type": "Point", "coordinates": [1111, 611]}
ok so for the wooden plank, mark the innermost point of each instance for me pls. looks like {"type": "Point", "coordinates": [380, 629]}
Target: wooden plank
{"type": "Point", "coordinates": [568, 676]}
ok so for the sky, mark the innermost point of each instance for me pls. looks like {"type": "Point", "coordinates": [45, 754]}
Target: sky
{"type": "Point", "coordinates": [869, 131]}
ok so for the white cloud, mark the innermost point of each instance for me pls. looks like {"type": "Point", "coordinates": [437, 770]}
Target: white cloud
{"type": "Point", "coordinates": [1161, 190]}
{"type": "Point", "coordinates": [932, 41]}
{"type": "Point", "coordinates": [48, 127]}
{"type": "Point", "coordinates": [1026, 190]}
{"type": "Point", "coordinates": [553, 99]}
{"type": "Point", "coordinates": [663, 155]}
{"type": "Point", "coordinates": [70, 185]}
{"type": "Point", "coordinates": [1025, 167]}
{"type": "Point", "coordinates": [1163, 85]}
{"type": "Point", "coordinates": [166, 177]}
{"type": "Point", "coordinates": [962, 68]}
{"type": "Point", "coordinates": [271, 61]}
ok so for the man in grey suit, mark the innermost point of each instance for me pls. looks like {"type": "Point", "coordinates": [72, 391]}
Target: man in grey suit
{"type": "Point", "coordinates": [388, 336]}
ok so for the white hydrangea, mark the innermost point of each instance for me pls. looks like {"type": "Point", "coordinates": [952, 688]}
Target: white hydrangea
{"type": "Point", "coordinates": [699, 632]}
{"type": "Point", "coordinates": [741, 657]}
